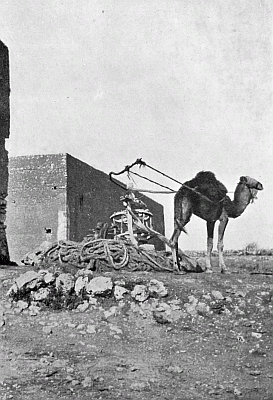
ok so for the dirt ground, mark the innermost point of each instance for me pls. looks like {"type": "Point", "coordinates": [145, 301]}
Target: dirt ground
{"type": "Point", "coordinates": [216, 345]}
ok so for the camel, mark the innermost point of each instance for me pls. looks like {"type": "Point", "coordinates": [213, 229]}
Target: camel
{"type": "Point", "coordinates": [206, 197]}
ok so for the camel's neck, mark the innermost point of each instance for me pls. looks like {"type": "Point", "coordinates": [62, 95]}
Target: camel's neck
{"type": "Point", "coordinates": [242, 197]}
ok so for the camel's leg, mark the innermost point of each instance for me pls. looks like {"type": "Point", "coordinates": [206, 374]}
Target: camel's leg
{"type": "Point", "coordinates": [220, 244]}
{"type": "Point", "coordinates": [174, 247]}
{"type": "Point", "coordinates": [210, 230]}
{"type": "Point", "coordinates": [182, 215]}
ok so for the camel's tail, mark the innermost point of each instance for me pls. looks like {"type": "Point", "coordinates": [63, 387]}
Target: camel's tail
{"type": "Point", "coordinates": [178, 212]}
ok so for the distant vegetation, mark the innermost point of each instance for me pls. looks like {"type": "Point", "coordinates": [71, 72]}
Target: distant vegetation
{"type": "Point", "coordinates": [251, 249]}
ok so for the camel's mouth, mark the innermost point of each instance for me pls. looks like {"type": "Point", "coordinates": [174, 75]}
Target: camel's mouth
{"type": "Point", "coordinates": [251, 183]}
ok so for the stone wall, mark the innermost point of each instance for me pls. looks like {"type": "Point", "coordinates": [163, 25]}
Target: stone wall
{"type": "Point", "coordinates": [4, 134]}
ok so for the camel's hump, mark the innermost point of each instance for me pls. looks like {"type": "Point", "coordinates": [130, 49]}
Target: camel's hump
{"type": "Point", "coordinates": [206, 183]}
{"type": "Point", "coordinates": [205, 176]}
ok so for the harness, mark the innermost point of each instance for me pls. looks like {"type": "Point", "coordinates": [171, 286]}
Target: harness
{"type": "Point", "coordinates": [142, 163]}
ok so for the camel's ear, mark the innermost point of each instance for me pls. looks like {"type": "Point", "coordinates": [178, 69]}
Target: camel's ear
{"type": "Point", "coordinates": [243, 179]}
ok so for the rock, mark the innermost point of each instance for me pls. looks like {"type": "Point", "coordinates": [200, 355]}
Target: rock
{"type": "Point", "coordinates": [83, 307]}
{"type": "Point", "coordinates": [22, 305]}
{"type": "Point", "coordinates": [75, 382]}
{"type": "Point", "coordinates": [91, 329]}
{"type": "Point", "coordinates": [115, 329]}
{"type": "Point", "coordinates": [100, 285]}
{"type": "Point", "coordinates": [65, 282]}
{"type": "Point", "coordinates": [191, 306]}
{"type": "Point", "coordinates": [58, 363]}
{"type": "Point", "coordinates": [119, 292]}
{"type": "Point", "coordinates": [257, 335]}
{"type": "Point", "coordinates": [88, 381]}
{"type": "Point", "coordinates": [255, 373]}
{"type": "Point", "coordinates": [80, 284]}
{"type": "Point", "coordinates": [33, 310]}
{"type": "Point", "coordinates": [161, 317]}
{"type": "Point", "coordinates": [238, 311]}
{"type": "Point", "coordinates": [112, 311]}
{"type": "Point", "coordinates": [240, 293]}
{"type": "Point", "coordinates": [175, 369]}
{"type": "Point", "coordinates": [138, 386]}
{"type": "Point", "coordinates": [47, 330]}
{"type": "Point", "coordinates": [41, 294]}
{"type": "Point", "coordinates": [157, 289]}
{"type": "Point", "coordinates": [217, 295]}
{"type": "Point", "coordinates": [27, 278]}
{"type": "Point", "coordinates": [70, 325]}
{"type": "Point", "coordinates": [120, 282]}
{"type": "Point", "coordinates": [202, 309]}
{"type": "Point", "coordinates": [140, 293]}
{"type": "Point", "coordinates": [92, 301]}
{"type": "Point", "coordinates": [12, 290]}
{"type": "Point", "coordinates": [49, 278]}
{"type": "Point", "coordinates": [86, 273]}
{"type": "Point", "coordinates": [163, 307]}
{"type": "Point", "coordinates": [193, 299]}
{"type": "Point", "coordinates": [237, 392]}
{"type": "Point", "coordinates": [175, 315]}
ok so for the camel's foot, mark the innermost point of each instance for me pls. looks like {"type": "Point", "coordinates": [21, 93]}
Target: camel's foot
{"type": "Point", "coordinates": [224, 271]}
{"type": "Point", "coordinates": [208, 271]}
{"type": "Point", "coordinates": [179, 272]}
{"type": "Point", "coordinates": [223, 268]}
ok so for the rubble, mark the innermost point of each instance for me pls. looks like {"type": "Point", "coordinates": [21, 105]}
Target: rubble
{"type": "Point", "coordinates": [27, 278]}
{"type": "Point", "coordinates": [157, 289]}
{"type": "Point", "coordinates": [65, 282]}
{"type": "Point", "coordinates": [140, 293]}
{"type": "Point", "coordinates": [100, 286]}
{"type": "Point", "coordinates": [119, 292]}
{"type": "Point", "coordinates": [80, 284]}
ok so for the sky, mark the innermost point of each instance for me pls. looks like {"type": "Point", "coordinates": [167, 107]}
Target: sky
{"type": "Point", "coordinates": [186, 85]}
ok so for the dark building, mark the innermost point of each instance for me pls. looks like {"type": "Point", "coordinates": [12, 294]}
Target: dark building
{"type": "Point", "coordinates": [4, 134]}
{"type": "Point", "coordinates": [60, 193]}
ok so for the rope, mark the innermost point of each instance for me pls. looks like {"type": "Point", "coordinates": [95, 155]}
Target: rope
{"type": "Point", "coordinates": [150, 180]}
{"type": "Point", "coordinates": [105, 253]}
{"type": "Point", "coordinates": [162, 173]}
{"type": "Point", "coordinates": [142, 163]}
{"type": "Point", "coordinates": [173, 191]}
{"type": "Point", "coordinates": [151, 191]}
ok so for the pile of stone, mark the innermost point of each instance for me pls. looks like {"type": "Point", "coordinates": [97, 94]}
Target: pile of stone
{"type": "Point", "coordinates": [33, 290]}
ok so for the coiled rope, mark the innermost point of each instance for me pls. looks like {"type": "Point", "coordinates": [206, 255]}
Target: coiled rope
{"type": "Point", "coordinates": [106, 253]}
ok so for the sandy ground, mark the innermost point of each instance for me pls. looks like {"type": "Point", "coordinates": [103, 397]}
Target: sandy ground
{"type": "Point", "coordinates": [216, 342]}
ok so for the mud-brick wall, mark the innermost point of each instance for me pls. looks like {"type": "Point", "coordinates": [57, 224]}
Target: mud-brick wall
{"type": "Point", "coordinates": [64, 194]}
{"type": "Point", "coordinates": [93, 198]}
{"type": "Point", "coordinates": [4, 134]}
{"type": "Point", "coordinates": [36, 200]}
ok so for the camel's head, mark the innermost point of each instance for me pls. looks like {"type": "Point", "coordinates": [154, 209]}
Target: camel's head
{"type": "Point", "coordinates": [252, 185]}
